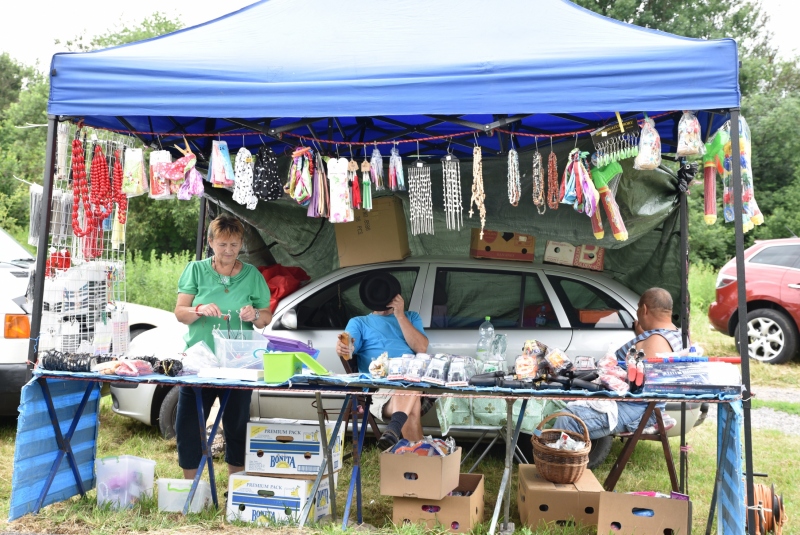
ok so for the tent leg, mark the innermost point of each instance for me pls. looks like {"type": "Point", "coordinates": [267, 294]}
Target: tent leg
{"type": "Point", "coordinates": [684, 221]}
{"type": "Point", "coordinates": [44, 236]}
{"type": "Point", "coordinates": [742, 297]}
{"type": "Point", "coordinates": [201, 229]}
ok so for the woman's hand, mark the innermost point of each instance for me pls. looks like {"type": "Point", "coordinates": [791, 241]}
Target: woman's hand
{"type": "Point", "coordinates": [210, 310]}
{"type": "Point", "coordinates": [247, 313]}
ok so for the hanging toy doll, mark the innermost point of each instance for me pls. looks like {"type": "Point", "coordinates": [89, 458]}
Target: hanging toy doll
{"type": "Point", "coordinates": [601, 177]}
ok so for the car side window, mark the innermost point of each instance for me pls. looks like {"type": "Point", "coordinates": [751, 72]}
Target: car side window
{"type": "Point", "coordinates": [332, 306]}
{"type": "Point", "coordinates": [588, 307]}
{"type": "Point", "coordinates": [778, 255]}
{"type": "Point", "coordinates": [462, 298]}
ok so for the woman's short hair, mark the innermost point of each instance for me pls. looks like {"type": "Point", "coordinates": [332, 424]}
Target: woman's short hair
{"type": "Point", "coordinates": [225, 225]}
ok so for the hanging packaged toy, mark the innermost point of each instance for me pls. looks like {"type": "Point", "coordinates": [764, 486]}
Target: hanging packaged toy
{"type": "Point", "coordinates": [577, 187]}
{"type": "Point", "coordinates": [376, 169]}
{"type": "Point", "coordinates": [436, 372]}
{"type": "Point", "coordinates": [266, 183]}
{"type": "Point", "coordinates": [243, 189]}
{"type": "Point", "coordinates": [341, 210]}
{"type": "Point", "coordinates": [751, 214]}
{"type": "Point", "coordinates": [298, 187]}
{"type": "Point", "coordinates": [713, 161]}
{"type": "Point", "coordinates": [396, 179]}
{"type": "Point", "coordinates": [649, 156]}
{"type": "Point", "coordinates": [601, 177]}
{"type": "Point", "coordinates": [689, 141]}
{"type": "Point", "coordinates": [319, 205]}
{"type": "Point", "coordinates": [192, 186]}
{"type": "Point", "coordinates": [220, 171]}
{"type": "Point", "coordinates": [397, 367]}
{"type": "Point", "coordinates": [416, 367]}
{"type": "Point", "coordinates": [134, 180]}
{"type": "Point", "coordinates": [159, 188]}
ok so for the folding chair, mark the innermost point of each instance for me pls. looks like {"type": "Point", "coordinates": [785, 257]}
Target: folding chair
{"type": "Point", "coordinates": [346, 364]}
{"type": "Point", "coordinates": [631, 439]}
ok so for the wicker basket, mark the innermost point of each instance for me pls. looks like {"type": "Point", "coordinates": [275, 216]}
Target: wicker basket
{"type": "Point", "coordinates": [560, 466]}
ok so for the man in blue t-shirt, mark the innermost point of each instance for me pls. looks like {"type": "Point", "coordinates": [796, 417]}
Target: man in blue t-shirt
{"type": "Point", "coordinates": [392, 330]}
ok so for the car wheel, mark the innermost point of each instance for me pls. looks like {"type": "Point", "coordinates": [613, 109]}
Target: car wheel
{"type": "Point", "coordinates": [139, 330]}
{"type": "Point", "coordinates": [601, 447]}
{"type": "Point", "coordinates": [167, 413]}
{"type": "Point", "coordinates": [772, 337]}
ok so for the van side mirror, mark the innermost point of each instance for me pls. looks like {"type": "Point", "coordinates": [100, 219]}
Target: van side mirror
{"type": "Point", "coordinates": [289, 320]}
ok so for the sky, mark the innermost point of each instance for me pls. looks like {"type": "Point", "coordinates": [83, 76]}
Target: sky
{"type": "Point", "coordinates": [34, 41]}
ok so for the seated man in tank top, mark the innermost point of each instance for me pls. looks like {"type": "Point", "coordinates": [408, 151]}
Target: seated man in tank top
{"type": "Point", "coordinates": [655, 333]}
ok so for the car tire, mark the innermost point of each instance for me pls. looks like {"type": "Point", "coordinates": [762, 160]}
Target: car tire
{"type": "Point", "coordinates": [772, 336]}
{"type": "Point", "coordinates": [167, 413]}
{"type": "Point", "coordinates": [601, 447]}
{"type": "Point", "coordinates": [139, 330]}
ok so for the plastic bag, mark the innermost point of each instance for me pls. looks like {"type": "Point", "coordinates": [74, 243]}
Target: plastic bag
{"type": "Point", "coordinates": [649, 156]}
{"type": "Point", "coordinates": [436, 372]}
{"type": "Point", "coordinates": [614, 382]}
{"type": "Point", "coordinates": [689, 140]}
{"type": "Point", "coordinates": [379, 366]}
{"type": "Point", "coordinates": [134, 179]}
{"type": "Point", "coordinates": [526, 367]}
{"type": "Point", "coordinates": [133, 368]}
{"type": "Point", "coordinates": [197, 357]}
{"type": "Point", "coordinates": [557, 360]}
{"type": "Point", "coordinates": [397, 367]}
{"type": "Point", "coordinates": [159, 187]}
{"type": "Point", "coordinates": [416, 368]}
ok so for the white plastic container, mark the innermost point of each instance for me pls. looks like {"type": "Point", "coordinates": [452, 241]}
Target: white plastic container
{"type": "Point", "coordinates": [122, 480]}
{"type": "Point", "coordinates": [172, 494]}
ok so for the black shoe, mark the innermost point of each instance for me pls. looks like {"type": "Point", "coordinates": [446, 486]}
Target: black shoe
{"type": "Point", "coordinates": [388, 440]}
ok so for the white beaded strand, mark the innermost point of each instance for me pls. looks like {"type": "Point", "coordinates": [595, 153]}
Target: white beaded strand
{"type": "Point", "coordinates": [478, 194]}
{"type": "Point", "coordinates": [514, 186]}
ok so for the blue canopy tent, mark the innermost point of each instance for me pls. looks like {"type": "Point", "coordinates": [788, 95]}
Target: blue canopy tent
{"type": "Point", "coordinates": [363, 72]}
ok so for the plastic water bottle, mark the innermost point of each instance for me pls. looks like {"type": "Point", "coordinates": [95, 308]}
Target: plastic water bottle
{"type": "Point", "coordinates": [486, 333]}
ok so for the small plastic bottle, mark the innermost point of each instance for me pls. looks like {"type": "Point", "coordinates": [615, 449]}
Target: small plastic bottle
{"type": "Point", "coordinates": [486, 334]}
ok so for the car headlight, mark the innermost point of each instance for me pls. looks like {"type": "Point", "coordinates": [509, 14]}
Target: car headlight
{"type": "Point", "coordinates": [724, 280]}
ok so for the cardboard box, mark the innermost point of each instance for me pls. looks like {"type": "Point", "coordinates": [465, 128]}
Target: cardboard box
{"type": "Point", "coordinates": [436, 477]}
{"type": "Point", "coordinates": [258, 499]}
{"type": "Point", "coordinates": [626, 514]}
{"type": "Point", "coordinates": [540, 500]}
{"type": "Point", "coordinates": [459, 514]}
{"type": "Point", "coordinates": [279, 447]}
{"type": "Point", "coordinates": [583, 256]}
{"type": "Point", "coordinates": [376, 236]}
{"type": "Point", "coordinates": [501, 245]}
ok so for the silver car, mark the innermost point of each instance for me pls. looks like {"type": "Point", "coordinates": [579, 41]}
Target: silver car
{"type": "Point", "coordinates": [580, 311]}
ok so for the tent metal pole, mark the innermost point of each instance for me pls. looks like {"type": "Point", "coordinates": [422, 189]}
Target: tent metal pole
{"type": "Point", "coordinates": [742, 297]}
{"type": "Point", "coordinates": [44, 236]}
{"type": "Point", "coordinates": [684, 224]}
{"type": "Point", "coordinates": [201, 229]}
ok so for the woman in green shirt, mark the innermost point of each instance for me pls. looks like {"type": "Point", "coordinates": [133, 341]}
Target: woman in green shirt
{"type": "Point", "coordinates": [207, 290]}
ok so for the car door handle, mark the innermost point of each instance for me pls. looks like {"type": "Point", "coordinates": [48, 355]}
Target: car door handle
{"type": "Point", "coordinates": [795, 286]}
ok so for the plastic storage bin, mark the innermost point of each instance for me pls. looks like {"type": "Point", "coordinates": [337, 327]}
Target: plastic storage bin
{"type": "Point", "coordinates": [122, 480]}
{"type": "Point", "coordinates": [172, 494]}
{"type": "Point", "coordinates": [244, 349]}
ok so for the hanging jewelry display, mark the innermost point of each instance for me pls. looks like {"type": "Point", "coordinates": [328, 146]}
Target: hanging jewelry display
{"type": "Point", "coordinates": [353, 180]}
{"type": "Point", "coordinates": [376, 169]}
{"type": "Point", "coordinates": [616, 141]}
{"type": "Point", "coordinates": [451, 171]}
{"type": "Point", "coordinates": [396, 179]}
{"type": "Point", "coordinates": [266, 183]}
{"type": "Point", "coordinates": [514, 184]}
{"type": "Point", "coordinates": [552, 179]}
{"type": "Point", "coordinates": [538, 182]}
{"type": "Point", "coordinates": [320, 200]}
{"type": "Point", "coordinates": [118, 195]}
{"type": "Point", "coordinates": [341, 211]}
{"type": "Point", "coordinates": [366, 184]}
{"type": "Point", "coordinates": [478, 194]}
{"type": "Point", "coordinates": [243, 189]}
{"type": "Point", "coordinates": [420, 199]}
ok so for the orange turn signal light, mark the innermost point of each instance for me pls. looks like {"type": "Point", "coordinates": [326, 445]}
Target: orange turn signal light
{"type": "Point", "coordinates": [17, 326]}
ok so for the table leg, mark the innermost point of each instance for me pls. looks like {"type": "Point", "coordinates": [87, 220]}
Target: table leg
{"type": "Point", "coordinates": [64, 447]}
{"type": "Point", "coordinates": [472, 450]}
{"type": "Point", "coordinates": [326, 461]}
{"type": "Point", "coordinates": [718, 476]}
{"type": "Point", "coordinates": [484, 453]}
{"type": "Point", "coordinates": [355, 478]}
{"type": "Point", "coordinates": [205, 443]}
{"type": "Point", "coordinates": [504, 494]}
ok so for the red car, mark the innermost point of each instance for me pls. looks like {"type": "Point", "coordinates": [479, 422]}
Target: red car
{"type": "Point", "coordinates": [772, 278]}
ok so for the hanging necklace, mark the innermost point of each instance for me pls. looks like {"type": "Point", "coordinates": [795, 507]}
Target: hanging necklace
{"type": "Point", "coordinates": [552, 179]}
{"type": "Point", "coordinates": [538, 183]}
{"type": "Point", "coordinates": [478, 195]}
{"type": "Point", "coordinates": [451, 169]}
{"type": "Point", "coordinates": [514, 186]}
{"type": "Point", "coordinates": [224, 280]}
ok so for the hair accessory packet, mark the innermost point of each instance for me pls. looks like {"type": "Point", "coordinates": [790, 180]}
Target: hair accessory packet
{"type": "Point", "coordinates": [417, 367]}
{"type": "Point", "coordinates": [397, 367]}
{"type": "Point", "coordinates": [462, 369]}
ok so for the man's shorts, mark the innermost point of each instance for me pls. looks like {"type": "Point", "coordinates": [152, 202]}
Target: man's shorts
{"type": "Point", "coordinates": [382, 397]}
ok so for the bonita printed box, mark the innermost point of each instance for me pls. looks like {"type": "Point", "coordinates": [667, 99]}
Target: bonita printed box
{"type": "Point", "coordinates": [289, 447]}
{"type": "Point", "coordinates": [265, 500]}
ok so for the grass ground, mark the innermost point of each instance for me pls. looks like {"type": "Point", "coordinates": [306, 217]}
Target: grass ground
{"type": "Point", "coordinates": [774, 454]}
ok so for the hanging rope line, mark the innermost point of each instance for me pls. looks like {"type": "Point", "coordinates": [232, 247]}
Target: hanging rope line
{"type": "Point", "coordinates": [312, 139]}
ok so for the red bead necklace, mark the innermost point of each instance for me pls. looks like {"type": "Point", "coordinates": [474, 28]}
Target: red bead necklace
{"type": "Point", "coordinates": [118, 195]}
{"type": "Point", "coordinates": [100, 187]}
{"type": "Point", "coordinates": [80, 190]}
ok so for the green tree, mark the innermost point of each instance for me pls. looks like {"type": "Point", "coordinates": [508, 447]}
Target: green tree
{"type": "Point", "coordinates": [12, 77]}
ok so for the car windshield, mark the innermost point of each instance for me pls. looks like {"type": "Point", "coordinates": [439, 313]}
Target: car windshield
{"type": "Point", "coordinates": [11, 251]}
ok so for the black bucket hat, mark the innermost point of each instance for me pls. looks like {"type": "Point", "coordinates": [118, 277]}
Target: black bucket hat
{"type": "Point", "coordinates": [377, 290]}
